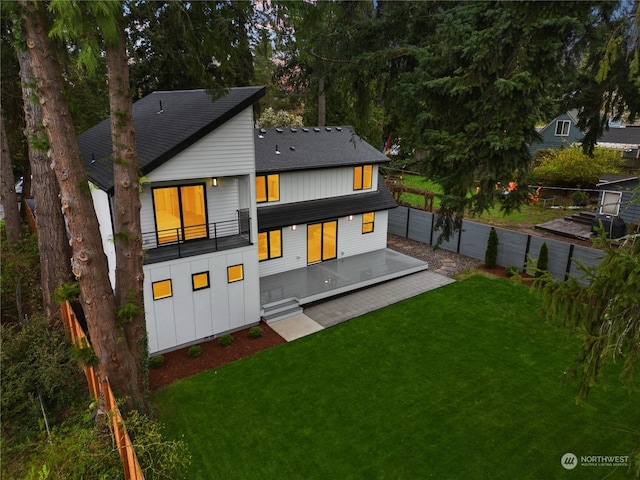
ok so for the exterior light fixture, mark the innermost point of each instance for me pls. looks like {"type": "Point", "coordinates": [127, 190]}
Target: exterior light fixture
{"type": "Point", "coordinates": [350, 217]}
{"type": "Point", "coordinates": [293, 228]}
{"type": "Point", "coordinates": [214, 182]}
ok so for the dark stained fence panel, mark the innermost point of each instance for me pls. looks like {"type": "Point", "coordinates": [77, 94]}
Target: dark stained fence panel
{"type": "Point", "coordinates": [589, 257]}
{"type": "Point", "coordinates": [398, 221]}
{"type": "Point", "coordinates": [474, 239]}
{"type": "Point", "coordinates": [420, 225]}
{"type": "Point", "coordinates": [558, 254]}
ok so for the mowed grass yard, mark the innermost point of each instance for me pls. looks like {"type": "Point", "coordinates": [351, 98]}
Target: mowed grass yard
{"type": "Point", "coordinates": [462, 382]}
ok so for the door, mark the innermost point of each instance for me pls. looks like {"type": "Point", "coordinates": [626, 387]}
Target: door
{"type": "Point", "coordinates": [180, 213]}
{"type": "Point", "coordinates": [321, 241]}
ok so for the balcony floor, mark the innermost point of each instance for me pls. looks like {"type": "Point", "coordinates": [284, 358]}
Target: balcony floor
{"type": "Point", "coordinates": [335, 277]}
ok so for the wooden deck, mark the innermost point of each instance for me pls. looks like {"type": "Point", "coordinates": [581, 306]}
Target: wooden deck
{"type": "Point", "coordinates": [574, 226]}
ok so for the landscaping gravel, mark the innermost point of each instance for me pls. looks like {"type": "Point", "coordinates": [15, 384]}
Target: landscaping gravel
{"type": "Point", "coordinates": [439, 260]}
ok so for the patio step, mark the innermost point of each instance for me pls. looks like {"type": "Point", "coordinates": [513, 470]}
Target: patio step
{"type": "Point", "coordinates": [281, 309]}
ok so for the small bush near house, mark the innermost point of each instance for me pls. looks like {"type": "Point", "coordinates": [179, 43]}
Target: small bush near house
{"type": "Point", "coordinates": [156, 362]}
{"type": "Point", "coordinates": [491, 255]}
{"type": "Point", "coordinates": [512, 271]}
{"type": "Point", "coordinates": [255, 332]}
{"type": "Point", "coordinates": [194, 351]}
{"type": "Point", "coordinates": [225, 340]}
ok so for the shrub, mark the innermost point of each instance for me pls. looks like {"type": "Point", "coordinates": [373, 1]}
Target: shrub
{"type": "Point", "coordinates": [491, 255]}
{"type": "Point", "coordinates": [512, 271]}
{"type": "Point", "coordinates": [255, 332]}
{"type": "Point", "coordinates": [225, 340]}
{"type": "Point", "coordinates": [194, 351]}
{"type": "Point", "coordinates": [156, 362]}
{"type": "Point", "coordinates": [569, 167]}
{"type": "Point", "coordinates": [580, 197]}
{"type": "Point", "coordinates": [543, 260]}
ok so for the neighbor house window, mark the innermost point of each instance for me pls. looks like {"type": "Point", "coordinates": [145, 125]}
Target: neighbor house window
{"type": "Point", "coordinates": [367, 222]}
{"type": "Point", "coordinates": [269, 245]}
{"type": "Point", "coordinates": [362, 177]}
{"type": "Point", "coordinates": [200, 280]}
{"type": "Point", "coordinates": [180, 213]}
{"type": "Point", "coordinates": [235, 273]}
{"type": "Point", "coordinates": [161, 289]}
{"type": "Point", "coordinates": [610, 203]}
{"type": "Point", "coordinates": [267, 188]}
{"type": "Point", "coordinates": [562, 128]}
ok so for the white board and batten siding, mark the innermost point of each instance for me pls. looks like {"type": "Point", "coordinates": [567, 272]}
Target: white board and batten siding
{"type": "Point", "coordinates": [190, 316]}
{"type": "Point", "coordinates": [351, 241]}
{"type": "Point", "coordinates": [306, 185]}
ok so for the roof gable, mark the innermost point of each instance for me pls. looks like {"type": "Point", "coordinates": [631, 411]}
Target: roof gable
{"type": "Point", "coordinates": [304, 148]}
{"type": "Point", "coordinates": [166, 123]}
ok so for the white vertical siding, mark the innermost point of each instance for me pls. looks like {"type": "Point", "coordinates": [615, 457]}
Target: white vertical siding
{"type": "Point", "coordinates": [351, 241]}
{"type": "Point", "coordinates": [227, 151]}
{"type": "Point", "coordinates": [301, 186]}
{"type": "Point", "coordinates": [188, 316]}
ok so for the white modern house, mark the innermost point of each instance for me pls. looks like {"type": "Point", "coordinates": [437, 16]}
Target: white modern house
{"type": "Point", "coordinates": [239, 223]}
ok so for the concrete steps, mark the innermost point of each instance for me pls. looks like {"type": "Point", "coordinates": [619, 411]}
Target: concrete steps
{"type": "Point", "coordinates": [281, 309]}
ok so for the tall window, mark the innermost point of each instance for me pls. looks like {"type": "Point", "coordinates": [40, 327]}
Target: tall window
{"type": "Point", "coordinates": [367, 222]}
{"type": "Point", "coordinates": [562, 128]}
{"type": "Point", "coordinates": [321, 241]}
{"type": "Point", "coordinates": [180, 213]}
{"type": "Point", "coordinates": [362, 177]}
{"type": "Point", "coordinates": [269, 245]}
{"type": "Point", "coordinates": [267, 188]}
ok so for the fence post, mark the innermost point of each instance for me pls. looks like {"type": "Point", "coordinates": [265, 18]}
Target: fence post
{"type": "Point", "coordinates": [569, 259]}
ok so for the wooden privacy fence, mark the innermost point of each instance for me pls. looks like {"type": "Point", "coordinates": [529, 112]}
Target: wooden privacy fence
{"type": "Point", "coordinates": [101, 391]}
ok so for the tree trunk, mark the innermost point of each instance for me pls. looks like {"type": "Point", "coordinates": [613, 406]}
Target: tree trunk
{"type": "Point", "coordinates": [128, 237]}
{"type": "Point", "coordinates": [88, 264]}
{"type": "Point", "coordinates": [322, 104]}
{"type": "Point", "coordinates": [8, 192]}
{"type": "Point", "coordinates": [53, 244]}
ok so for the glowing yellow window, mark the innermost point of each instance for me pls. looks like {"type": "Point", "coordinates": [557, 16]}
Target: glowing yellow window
{"type": "Point", "coordinates": [200, 280]}
{"type": "Point", "coordinates": [161, 289]}
{"type": "Point", "coordinates": [269, 245]}
{"type": "Point", "coordinates": [367, 222]}
{"type": "Point", "coordinates": [235, 273]}
{"type": "Point", "coordinates": [268, 188]}
{"type": "Point", "coordinates": [362, 177]}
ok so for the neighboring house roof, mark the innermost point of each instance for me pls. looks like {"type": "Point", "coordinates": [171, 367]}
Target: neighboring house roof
{"type": "Point", "coordinates": [626, 137]}
{"type": "Point", "coordinates": [615, 178]}
{"type": "Point", "coordinates": [277, 216]}
{"type": "Point", "coordinates": [166, 123]}
{"type": "Point", "coordinates": [304, 148]}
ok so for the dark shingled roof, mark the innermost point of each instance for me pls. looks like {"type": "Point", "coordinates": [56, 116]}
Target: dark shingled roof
{"type": "Point", "coordinates": [278, 216]}
{"type": "Point", "coordinates": [162, 132]}
{"type": "Point", "coordinates": [626, 136]}
{"type": "Point", "coordinates": [305, 148]}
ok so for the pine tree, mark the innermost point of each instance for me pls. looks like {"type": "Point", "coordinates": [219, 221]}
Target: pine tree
{"type": "Point", "coordinates": [491, 255]}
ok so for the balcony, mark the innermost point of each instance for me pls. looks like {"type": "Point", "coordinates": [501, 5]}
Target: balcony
{"type": "Point", "coordinates": [164, 245]}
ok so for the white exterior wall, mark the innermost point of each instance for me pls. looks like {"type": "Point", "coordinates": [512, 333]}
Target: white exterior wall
{"type": "Point", "coordinates": [301, 186]}
{"type": "Point", "coordinates": [188, 316]}
{"type": "Point", "coordinates": [103, 212]}
{"type": "Point", "coordinates": [351, 241]}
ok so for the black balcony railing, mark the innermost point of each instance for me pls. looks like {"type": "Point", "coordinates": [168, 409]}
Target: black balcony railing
{"type": "Point", "coordinates": [193, 240]}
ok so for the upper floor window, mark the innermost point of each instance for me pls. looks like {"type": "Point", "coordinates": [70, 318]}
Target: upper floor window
{"type": "Point", "coordinates": [267, 188]}
{"type": "Point", "coordinates": [269, 245]}
{"type": "Point", "coordinates": [367, 222]}
{"type": "Point", "coordinates": [362, 177]}
{"type": "Point", "coordinates": [562, 128]}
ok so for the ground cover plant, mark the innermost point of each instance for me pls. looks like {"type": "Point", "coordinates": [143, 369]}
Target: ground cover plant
{"type": "Point", "coordinates": [465, 381]}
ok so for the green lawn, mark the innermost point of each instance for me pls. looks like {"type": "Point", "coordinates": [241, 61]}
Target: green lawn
{"type": "Point", "coordinates": [463, 382]}
{"type": "Point", "coordinates": [528, 214]}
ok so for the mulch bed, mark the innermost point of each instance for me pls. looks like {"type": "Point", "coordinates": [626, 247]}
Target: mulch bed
{"type": "Point", "coordinates": [177, 364]}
